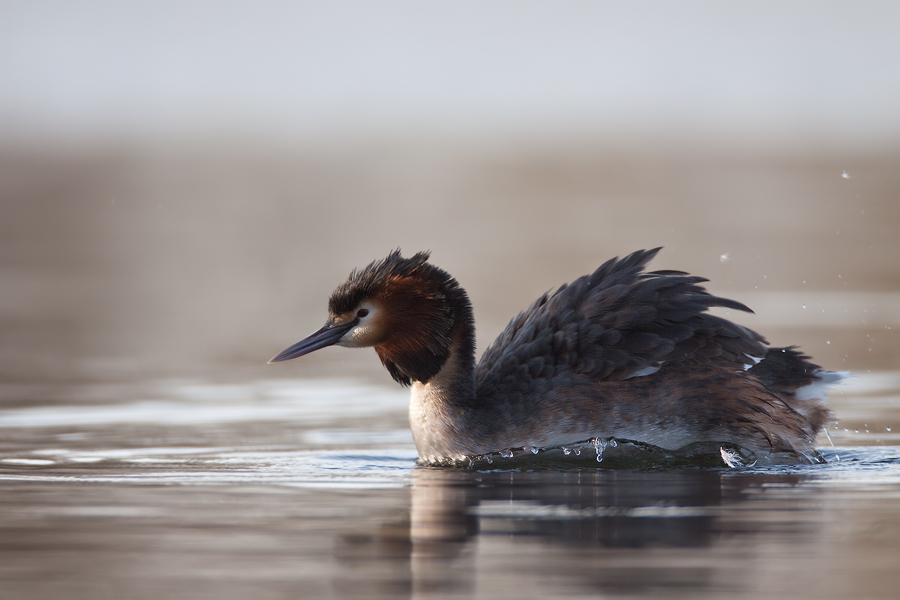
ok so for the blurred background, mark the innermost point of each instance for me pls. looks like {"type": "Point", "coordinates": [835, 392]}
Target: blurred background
{"type": "Point", "coordinates": [182, 184]}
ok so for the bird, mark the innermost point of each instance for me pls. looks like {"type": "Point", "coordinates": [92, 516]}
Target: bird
{"type": "Point", "coordinates": [619, 354]}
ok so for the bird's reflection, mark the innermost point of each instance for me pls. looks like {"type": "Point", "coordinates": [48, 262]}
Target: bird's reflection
{"type": "Point", "coordinates": [590, 526]}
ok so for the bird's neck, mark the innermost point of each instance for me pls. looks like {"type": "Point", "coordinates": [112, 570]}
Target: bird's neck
{"type": "Point", "coordinates": [454, 383]}
{"type": "Point", "coordinates": [440, 408]}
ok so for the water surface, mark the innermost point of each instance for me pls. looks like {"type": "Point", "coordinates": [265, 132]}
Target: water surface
{"type": "Point", "coordinates": [309, 489]}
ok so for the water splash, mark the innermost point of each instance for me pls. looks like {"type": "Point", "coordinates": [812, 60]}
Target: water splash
{"type": "Point", "coordinates": [599, 447]}
{"type": "Point", "coordinates": [836, 455]}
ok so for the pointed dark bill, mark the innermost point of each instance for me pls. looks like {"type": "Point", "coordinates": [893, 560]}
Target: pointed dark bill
{"type": "Point", "coordinates": [330, 334]}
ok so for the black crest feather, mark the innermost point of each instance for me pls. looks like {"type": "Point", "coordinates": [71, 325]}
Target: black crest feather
{"type": "Point", "coordinates": [369, 281]}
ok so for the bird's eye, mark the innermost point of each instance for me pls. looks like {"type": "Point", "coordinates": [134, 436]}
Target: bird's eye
{"type": "Point", "coordinates": [362, 313]}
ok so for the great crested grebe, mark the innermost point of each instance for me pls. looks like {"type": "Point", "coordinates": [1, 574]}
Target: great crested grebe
{"type": "Point", "coordinates": [620, 353]}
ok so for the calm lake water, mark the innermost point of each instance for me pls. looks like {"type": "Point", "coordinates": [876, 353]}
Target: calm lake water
{"type": "Point", "coordinates": [309, 489]}
{"type": "Point", "coordinates": [146, 450]}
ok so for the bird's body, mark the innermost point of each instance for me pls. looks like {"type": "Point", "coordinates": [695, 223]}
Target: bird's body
{"type": "Point", "coordinates": [620, 353]}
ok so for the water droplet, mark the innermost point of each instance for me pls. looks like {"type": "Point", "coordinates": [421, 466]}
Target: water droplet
{"type": "Point", "coordinates": [613, 442]}
{"type": "Point", "coordinates": [567, 452]}
{"type": "Point", "coordinates": [599, 447]}
{"type": "Point", "coordinates": [577, 451]}
{"type": "Point", "coordinates": [506, 453]}
{"type": "Point", "coordinates": [888, 428]}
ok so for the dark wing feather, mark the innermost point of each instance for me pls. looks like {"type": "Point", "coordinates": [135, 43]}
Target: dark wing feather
{"type": "Point", "coordinates": [614, 324]}
{"type": "Point", "coordinates": [784, 370]}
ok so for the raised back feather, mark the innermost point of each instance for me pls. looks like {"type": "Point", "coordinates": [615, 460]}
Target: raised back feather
{"type": "Point", "coordinates": [616, 323]}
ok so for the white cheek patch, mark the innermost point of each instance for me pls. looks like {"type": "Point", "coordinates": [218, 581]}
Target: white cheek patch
{"type": "Point", "coordinates": [366, 333]}
{"type": "Point", "coordinates": [347, 340]}
{"type": "Point", "coordinates": [357, 337]}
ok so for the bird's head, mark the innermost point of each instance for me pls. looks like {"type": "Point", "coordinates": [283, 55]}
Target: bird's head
{"type": "Point", "coordinates": [406, 308]}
